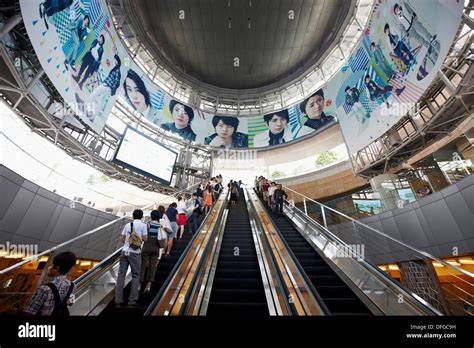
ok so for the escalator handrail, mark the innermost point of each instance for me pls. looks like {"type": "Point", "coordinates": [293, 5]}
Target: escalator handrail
{"type": "Point", "coordinates": [297, 263]}
{"type": "Point", "coordinates": [88, 233]}
{"type": "Point", "coordinates": [372, 268]}
{"type": "Point", "coordinates": [303, 274]}
{"type": "Point", "coordinates": [167, 281]}
{"type": "Point", "coordinates": [421, 252]}
{"type": "Point", "coordinates": [99, 268]}
{"type": "Point", "coordinates": [202, 262]}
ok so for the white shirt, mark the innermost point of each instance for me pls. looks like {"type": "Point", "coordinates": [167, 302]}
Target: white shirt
{"type": "Point", "coordinates": [140, 229]}
{"type": "Point", "coordinates": [95, 52]}
{"type": "Point", "coordinates": [271, 189]}
{"type": "Point", "coordinates": [263, 139]}
{"type": "Point", "coordinates": [181, 207]}
{"type": "Point", "coordinates": [305, 130]}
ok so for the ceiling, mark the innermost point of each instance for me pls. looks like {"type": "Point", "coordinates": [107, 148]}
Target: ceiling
{"type": "Point", "coordinates": [274, 48]}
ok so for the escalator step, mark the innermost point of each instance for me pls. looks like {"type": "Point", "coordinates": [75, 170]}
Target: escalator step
{"type": "Point", "coordinates": [237, 273]}
{"type": "Point", "coordinates": [324, 270]}
{"type": "Point", "coordinates": [231, 258]}
{"type": "Point", "coordinates": [351, 305]}
{"type": "Point", "coordinates": [328, 291]}
{"type": "Point", "coordinates": [238, 295]}
{"type": "Point", "coordinates": [236, 265]}
{"type": "Point", "coordinates": [232, 283]}
{"type": "Point", "coordinates": [223, 309]}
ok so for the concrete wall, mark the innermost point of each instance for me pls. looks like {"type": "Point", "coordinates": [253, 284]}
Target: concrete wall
{"type": "Point", "coordinates": [438, 224]}
{"type": "Point", "coordinates": [30, 214]}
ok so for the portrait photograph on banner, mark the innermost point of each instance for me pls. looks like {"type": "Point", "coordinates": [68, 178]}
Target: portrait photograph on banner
{"type": "Point", "coordinates": [401, 50]}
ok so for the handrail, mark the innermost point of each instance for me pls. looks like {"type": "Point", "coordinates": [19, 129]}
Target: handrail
{"type": "Point", "coordinates": [292, 276]}
{"type": "Point", "coordinates": [92, 271]}
{"type": "Point", "coordinates": [379, 274]}
{"type": "Point", "coordinates": [167, 283]}
{"type": "Point", "coordinates": [34, 257]}
{"type": "Point", "coordinates": [460, 270]}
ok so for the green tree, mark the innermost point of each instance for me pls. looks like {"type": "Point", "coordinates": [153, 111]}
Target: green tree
{"type": "Point", "coordinates": [325, 158]}
{"type": "Point", "coordinates": [277, 174]}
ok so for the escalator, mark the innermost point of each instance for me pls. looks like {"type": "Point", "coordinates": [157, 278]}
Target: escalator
{"type": "Point", "coordinates": [164, 269]}
{"type": "Point", "coordinates": [336, 295]}
{"type": "Point", "coordinates": [237, 287]}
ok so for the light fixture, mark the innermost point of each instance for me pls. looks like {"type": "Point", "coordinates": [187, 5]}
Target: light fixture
{"type": "Point", "coordinates": [466, 261]}
{"type": "Point", "coordinates": [383, 268]}
{"type": "Point", "coordinates": [85, 263]}
{"type": "Point", "coordinates": [454, 263]}
{"type": "Point", "coordinates": [393, 267]}
{"type": "Point", "coordinates": [438, 265]}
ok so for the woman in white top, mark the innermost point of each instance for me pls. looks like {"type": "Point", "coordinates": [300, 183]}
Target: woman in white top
{"type": "Point", "coordinates": [165, 226]}
{"type": "Point", "coordinates": [182, 219]}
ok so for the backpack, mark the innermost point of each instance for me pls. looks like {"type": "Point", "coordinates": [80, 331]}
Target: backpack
{"type": "Point", "coordinates": [134, 241]}
{"type": "Point", "coordinates": [49, 8]}
{"type": "Point", "coordinates": [60, 307]}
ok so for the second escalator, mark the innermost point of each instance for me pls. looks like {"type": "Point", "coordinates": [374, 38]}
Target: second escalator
{"type": "Point", "coordinates": [338, 297]}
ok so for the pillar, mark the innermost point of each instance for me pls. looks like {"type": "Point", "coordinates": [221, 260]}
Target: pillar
{"type": "Point", "coordinates": [384, 185]}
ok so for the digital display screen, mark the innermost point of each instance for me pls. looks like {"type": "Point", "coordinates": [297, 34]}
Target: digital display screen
{"type": "Point", "coordinates": [145, 156]}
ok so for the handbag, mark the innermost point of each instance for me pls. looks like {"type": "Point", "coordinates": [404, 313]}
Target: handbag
{"type": "Point", "coordinates": [166, 225]}
{"type": "Point", "coordinates": [161, 241]}
{"type": "Point", "coordinates": [134, 241]}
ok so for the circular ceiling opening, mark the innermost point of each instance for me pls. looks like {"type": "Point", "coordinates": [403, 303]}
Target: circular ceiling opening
{"type": "Point", "coordinates": [239, 44]}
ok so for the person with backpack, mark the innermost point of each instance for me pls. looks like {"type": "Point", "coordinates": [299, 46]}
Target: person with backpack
{"type": "Point", "coordinates": [196, 211]}
{"type": "Point", "coordinates": [53, 299]}
{"type": "Point", "coordinates": [153, 248]}
{"type": "Point", "coordinates": [133, 236]}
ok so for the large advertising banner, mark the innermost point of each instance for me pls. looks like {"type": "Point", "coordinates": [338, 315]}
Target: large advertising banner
{"type": "Point", "coordinates": [403, 46]}
{"type": "Point", "coordinates": [79, 51]}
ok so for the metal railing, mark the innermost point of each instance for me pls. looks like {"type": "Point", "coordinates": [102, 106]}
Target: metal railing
{"type": "Point", "coordinates": [19, 281]}
{"type": "Point", "coordinates": [353, 239]}
{"type": "Point", "coordinates": [95, 289]}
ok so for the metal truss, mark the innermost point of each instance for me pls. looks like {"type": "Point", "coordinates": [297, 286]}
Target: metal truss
{"type": "Point", "coordinates": [30, 94]}
{"type": "Point", "coordinates": [223, 101]}
{"type": "Point", "coordinates": [446, 103]}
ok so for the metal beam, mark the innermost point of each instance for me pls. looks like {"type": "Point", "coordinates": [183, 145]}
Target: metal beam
{"type": "Point", "coordinates": [11, 23]}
